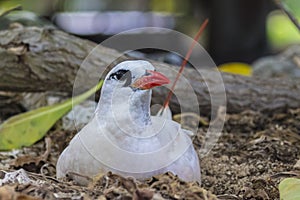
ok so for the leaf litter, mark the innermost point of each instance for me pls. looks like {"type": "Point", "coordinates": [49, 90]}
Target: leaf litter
{"type": "Point", "coordinates": [254, 153]}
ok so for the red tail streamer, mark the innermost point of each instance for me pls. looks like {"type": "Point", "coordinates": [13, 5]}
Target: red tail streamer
{"type": "Point", "coordinates": [184, 62]}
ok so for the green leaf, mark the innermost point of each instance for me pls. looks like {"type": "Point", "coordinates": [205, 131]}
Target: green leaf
{"type": "Point", "coordinates": [5, 9]}
{"type": "Point", "coordinates": [27, 128]}
{"type": "Point", "coordinates": [289, 189]}
{"type": "Point", "coordinates": [281, 31]}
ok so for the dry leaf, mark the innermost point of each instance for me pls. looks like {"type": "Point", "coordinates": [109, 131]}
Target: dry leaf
{"type": "Point", "coordinates": [9, 193]}
{"type": "Point", "coordinates": [21, 161]}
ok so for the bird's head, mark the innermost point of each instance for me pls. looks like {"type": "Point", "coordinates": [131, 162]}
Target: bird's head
{"type": "Point", "coordinates": [136, 75]}
{"type": "Point", "coordinates": [126, 92]}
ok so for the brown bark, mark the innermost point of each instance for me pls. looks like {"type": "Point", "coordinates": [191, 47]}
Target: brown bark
{"type": "Point", "coordinates": [40, 59]}
{"type": "Point", "coordinates": [242, 93]}
{"type": "Point", "coordinates": [36, 59]}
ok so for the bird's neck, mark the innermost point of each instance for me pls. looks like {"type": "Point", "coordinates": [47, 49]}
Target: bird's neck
{"type": "Point", "coordinates": [140, 108]}
{"type": "Point", "coordinates": [125, 108]}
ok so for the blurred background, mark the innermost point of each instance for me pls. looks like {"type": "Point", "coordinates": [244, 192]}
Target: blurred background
{"type": "Point", "coordinates": [239, 31]}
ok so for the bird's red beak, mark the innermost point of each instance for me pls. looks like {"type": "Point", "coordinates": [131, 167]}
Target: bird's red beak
{"type": "Point", "coordinates": [150, 79]}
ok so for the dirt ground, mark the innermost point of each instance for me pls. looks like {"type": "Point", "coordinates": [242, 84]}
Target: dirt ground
{"type": "Point", "coordinates": [255, 152]}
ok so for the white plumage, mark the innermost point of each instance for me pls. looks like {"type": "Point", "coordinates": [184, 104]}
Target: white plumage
{"type": "Point", "coordinates": [123, 137]}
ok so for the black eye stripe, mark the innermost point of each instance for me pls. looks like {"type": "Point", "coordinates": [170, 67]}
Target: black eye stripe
{"type": "Point", "coordinates": [122, 75]}
{"type": "Point", "coordinates": [119, 74]}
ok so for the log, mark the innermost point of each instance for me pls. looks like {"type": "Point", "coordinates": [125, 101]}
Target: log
{"type": "Point", "coordinates": [246, 93]}
{"type": "Point", "coordinates": [46, 59]}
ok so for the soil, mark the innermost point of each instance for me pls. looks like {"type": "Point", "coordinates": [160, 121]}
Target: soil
{"type": "Point", "coordinates": [254, 153]}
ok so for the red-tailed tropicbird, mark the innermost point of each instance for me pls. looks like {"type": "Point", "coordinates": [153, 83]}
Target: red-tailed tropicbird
{"type": "Point", "coordinates": [124, 138]}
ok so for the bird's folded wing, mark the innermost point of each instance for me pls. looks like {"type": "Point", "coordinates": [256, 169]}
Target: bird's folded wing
{"type": "Point", "coordinates": [97, 143]}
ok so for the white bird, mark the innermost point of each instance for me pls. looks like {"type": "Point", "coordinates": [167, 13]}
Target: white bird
{"type": "Point", "coordinates": [124, 138]}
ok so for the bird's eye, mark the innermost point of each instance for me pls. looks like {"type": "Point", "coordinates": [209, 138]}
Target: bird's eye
{"type": "Point", "coordinates": [122, 75]}
{"type": "Point", "coordinates": [118, 75]}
